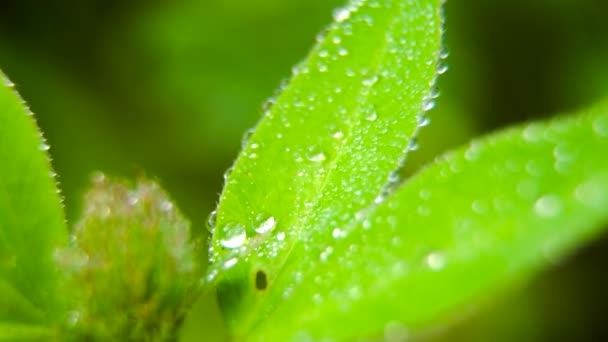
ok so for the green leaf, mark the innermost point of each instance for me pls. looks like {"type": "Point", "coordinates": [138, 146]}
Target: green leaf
{"type": "Point", "coordinates": [15, 307]}
{"type": "Point", "coordinates": [31, 216]}
{"type": "Point", "coordinates": [479, 220]}
{"type": "Point", "coordinates": [325, 150]}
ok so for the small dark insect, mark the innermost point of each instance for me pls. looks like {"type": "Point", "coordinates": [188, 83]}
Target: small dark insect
{"type": "Point", "coordinates": [261, 281]}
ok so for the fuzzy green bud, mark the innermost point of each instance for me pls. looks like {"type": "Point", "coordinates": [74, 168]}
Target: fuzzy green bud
{"type": "Point", "coordinates": [132, 259]}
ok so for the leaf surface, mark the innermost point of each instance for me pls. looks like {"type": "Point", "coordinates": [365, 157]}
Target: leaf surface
{"type": "Point", "coordinates": [479, 220]}
{"type": "Point", "coordinates": [27, 333]}
{"type": "Point", "coordinates": [324, 150]}
{"type": "Point", "coordinates": [31, 216]}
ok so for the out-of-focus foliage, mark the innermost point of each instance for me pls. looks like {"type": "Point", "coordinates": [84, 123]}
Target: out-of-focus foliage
{"type": "Point", "coordinates": [167, 87]}
{"type": "Point", "coordinates": [131, 263]}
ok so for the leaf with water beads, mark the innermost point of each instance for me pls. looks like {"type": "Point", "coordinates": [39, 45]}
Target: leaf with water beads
{"type": "Point", "coordinates": [325, 149]}
{"type": "Point", "coordinates": [31, 218]}
{"type": "Point", "coordinates": [477, 221]}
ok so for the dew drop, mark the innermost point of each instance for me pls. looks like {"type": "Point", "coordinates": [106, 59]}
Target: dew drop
{"type": "Point", "coordinates": [396, 241]}
{"type": "Point", "coordinates": [442, 69]}
{"type": "Point", "coordinates": [342, 51]}
{"type": "Point", "coordinates": [424, 210]}
{"type": "Point", "coordinates": [355, 293]}
{"type": "Point", "coordinates": [230, 263]}
{"type": "Point", "coordinates": [600, 126]}
{"type": "Point", "coordinates": [326, 254]}
{"type": "Point", "coordinates": [368, 20]}
{"type": "Point", "coordinates": [323, 53]}
{"type": "Point", "coordinates": [534, 168]}
{"type": "Point", "coordinates": [235, 236]}
{"type": "Point", "coordinates": [281, 236]}
{"type": "Point", "coordinates": [372, 116]}
{"type": "Point", "coordinates": [380, 199]}
{"type": "Point", "coordinates": [548, 206]}
{"type": "Point", "coordinates": [246, 136]}
{"type": "Point", "coordinates": [435, 261]}
{"type": "Point", "coordinates": [367, 224]}
{"type": "Point", "coordinates": [227, 174]}
{"type": "Point", "coordinates": [338, 135]}
{"type": "Point", "coordinates": [565, 152]}
{"type": "Point", "coordinates": [74, 317]}
{"type": "Point", "coordinates": [425, 194]}
{"type": "Point", "coordinates": [413, 145]}
{"type": "Point", "coordinates": [533, 132]}
{"type": "Point", "coordinates": [370, 81]}
{"type": "Point", "coordinates": [338, 233]}
{"type": "Point", "coordinates": [479, 207]}
{"type": "Point", "coordinates": [423, 121]}
{"type": "Point", "coordinates": [348, 30]}
{"type": "Point", "coordinates": [472, 153]}
{"type": "Point", "coordinates": [44, 147]}
{"type": "Point", "coordinates": [428, 105]}
{"type": "Point", "coordinates": [267, 226]}
{"type": "Point", "coordinates": [317, 298]}
{"type": "Point", "coordinates": [590, 193]}
{"type": "Point", "coordinates": [317, 157]}
{"type": "Point", "coordinates": [213, 273]}
{"type": "Point", "coordinates": [341, 14]}
{"type": "Point", "coordinates": [211, 221]}
{"type": "Point", "coordinates": [267, 105]}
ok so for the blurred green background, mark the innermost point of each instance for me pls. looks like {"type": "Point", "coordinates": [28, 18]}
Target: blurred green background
{"type": "Point", "coordinates": [167, 88]}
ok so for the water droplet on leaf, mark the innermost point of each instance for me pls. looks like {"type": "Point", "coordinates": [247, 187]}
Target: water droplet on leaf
{"type": "Point", "coordinates": [316, 157]}
{"type": "Point", "coordinates": [211, 220]}
{"type": "Point", "coordinates": [281, 236]}
{"type": "Point", "coordinates": [548, 206]}
{"type": "Point", "coordinates": [230, 263]}
{"type": "Point", "coordinates": [341, 14]}
{"type": "Point", "coordinates": [234, 236]}
{"type": "Point", "coordinates": [600, 126]}
{"type": "Point", "coordinates": [267, 226]}
{"type": "Point", "coordinates": [435, 261]}
{"type": "Point", "coordinates": [372, 116]}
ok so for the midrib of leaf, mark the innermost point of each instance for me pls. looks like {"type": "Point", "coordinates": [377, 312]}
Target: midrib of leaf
{"type": "Point", "coordinates": [305, 215]}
